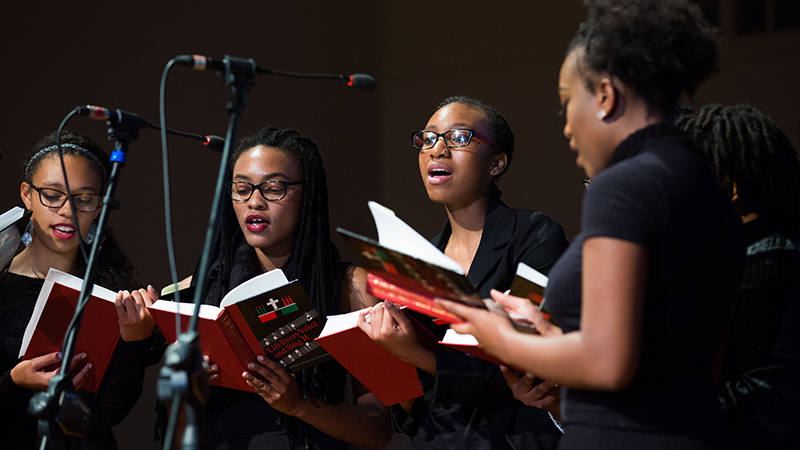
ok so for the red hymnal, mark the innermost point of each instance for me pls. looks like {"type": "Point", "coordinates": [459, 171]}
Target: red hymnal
{"type": "Point", "coordinates": [384, 374]}
{"type": "Point", "coordinates": [98, 334]}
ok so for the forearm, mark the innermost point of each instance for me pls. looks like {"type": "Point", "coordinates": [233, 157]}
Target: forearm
{"type": "Point", "coordinates": [573, 359]}
{"type": "Point", "coordinates": [367, 425]}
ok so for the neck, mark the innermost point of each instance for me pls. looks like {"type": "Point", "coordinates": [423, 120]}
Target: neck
{"type": "Point", "coordinates": [467, 229]}
{"type": "Point", "coordinates": [36, 260]}
{"type": "Point", "coordinates": [269, 261]}
{"type": "Point", "coordinates": [634, 117]}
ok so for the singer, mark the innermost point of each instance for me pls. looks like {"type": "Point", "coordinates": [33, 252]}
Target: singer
{"type": "Point", "coordinates": [643, 291]}
{"type": "Point", "coordinates": [463, 150]}
{"type": "Point", "coordinates": [52, 241]}
{"type": "Point", "coordinates": [276, 216]}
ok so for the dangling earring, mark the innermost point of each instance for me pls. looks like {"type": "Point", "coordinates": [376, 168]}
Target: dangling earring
{"type": "Point", "coordinates": [27, 238]}
{"type": "Point", "coordinates": [92, 233]}
{"type": "Point", "coordinates": [601, 114]}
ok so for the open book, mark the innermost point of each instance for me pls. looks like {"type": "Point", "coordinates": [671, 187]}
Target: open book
{"type": "Point", "coordinates": [12, 226]}
{"type": "Point", "coordinates": [99, 332]}
{"type": "Point", "coordinates": [405, 268]}
{"type": "Point", "coordinates": [384, 374]}
{"type": "Point", "coordinates": [530, 283]}
{"type": "Point", "coordinates": [266, 315]}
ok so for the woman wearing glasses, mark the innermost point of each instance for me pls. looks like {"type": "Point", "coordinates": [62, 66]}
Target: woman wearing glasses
{"type": "Point", "coordinates": [52, 240]}
{"type": "Point", "coordinates": [278, 218]}
{"type": "Point", "coordinates": [463, 150]}
{"type": "Point", "coordinates": [644, 292]}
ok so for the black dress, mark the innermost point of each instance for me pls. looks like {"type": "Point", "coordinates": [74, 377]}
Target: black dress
{"type": "Point", "coordinates": [119, 392]}
{"type": "Point", "coordinates": [468, 405]}
{"type": "Point", "coordinates": [660, 195]}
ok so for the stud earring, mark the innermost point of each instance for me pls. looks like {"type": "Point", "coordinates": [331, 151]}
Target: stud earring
{"type": "Point", "coordinates": [492, 170]}
{"type": "Point", "coordinates": [601, 114]}
{"type": "Point", "coordinates": [27, 238]}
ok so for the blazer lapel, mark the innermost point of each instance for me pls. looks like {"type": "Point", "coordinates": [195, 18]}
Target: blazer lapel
{"type": "Point", "coordinates": [498, 228]}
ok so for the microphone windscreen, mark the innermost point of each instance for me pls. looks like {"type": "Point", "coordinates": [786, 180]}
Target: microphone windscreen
{"type": "Point", "coordinates": [362, 81]}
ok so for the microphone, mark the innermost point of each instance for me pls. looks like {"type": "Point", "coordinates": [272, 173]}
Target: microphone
{"type": "Point", "coordinates": [199, 62]}
{"type": "Point", "coordinates": [214, 143]}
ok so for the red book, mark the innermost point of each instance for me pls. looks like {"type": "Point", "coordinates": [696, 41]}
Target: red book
{"type": "Point", "coordinates": [385, 375]}
{"type": "Point", "coordinates": [265, 315]}
{"type": "Point", "coordinates": [407, 269]}
{"type": "Point", "coordinates": [467, 343]}
{"type": "Point", "coordinates": [530, 283]}
{"type": "Point", "coordinates": [99, 332]}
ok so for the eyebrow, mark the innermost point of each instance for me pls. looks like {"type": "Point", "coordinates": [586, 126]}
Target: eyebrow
{"type": "Point", "coordinates": [453, 126]}
{"type": "Point", "coordinates": [55, 184]}
{"type": "Point", "coordinates": [268, 176]}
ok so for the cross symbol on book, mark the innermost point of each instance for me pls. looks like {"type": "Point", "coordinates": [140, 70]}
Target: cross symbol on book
{"type": "Point", "coordinates": [272, 302]}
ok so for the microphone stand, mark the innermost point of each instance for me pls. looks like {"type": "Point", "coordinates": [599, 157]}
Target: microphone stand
{"type": "Point", "coordinates": [60, 404]}
{"type": "Point", "coordinates": [183, 379]}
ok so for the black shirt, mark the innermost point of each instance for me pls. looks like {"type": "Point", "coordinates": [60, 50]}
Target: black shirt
{"type": "Point", "coordinates": [660, 195]}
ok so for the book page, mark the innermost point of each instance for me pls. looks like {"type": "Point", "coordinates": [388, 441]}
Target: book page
{"type": "Point", "coordinates": [257, 285]}
{"type": "Point", "coordinates": [397, 235]}
{"type": "Point", "coordinates": [10, 216]}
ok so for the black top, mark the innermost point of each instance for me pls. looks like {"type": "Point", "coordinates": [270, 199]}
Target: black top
{"type": "Point", "coordinates": [468, 405]}
{"type": "Point", "coordinates": [120, 390]}
{"type": "Point", "coordinates": [661, 196]}
{"type": "Point", "coordinates": [761, 370]}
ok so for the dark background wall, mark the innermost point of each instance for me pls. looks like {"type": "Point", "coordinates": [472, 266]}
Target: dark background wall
{"type": "Point", "coordinates": [508, 54]}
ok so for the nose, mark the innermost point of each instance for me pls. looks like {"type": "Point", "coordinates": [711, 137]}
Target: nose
{"type": "Point", "coordinates": [257, 201]}
{"type": "Point", "coordinates": [439, 148]}
{"type": "Point", "coordinates": [567, 131]}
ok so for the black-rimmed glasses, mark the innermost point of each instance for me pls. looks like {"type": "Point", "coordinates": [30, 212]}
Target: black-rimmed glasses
{"type": "Point", "coordinates": [53, 198]}
{"type": "Point", "coordinates": [455, 138]}
{"type": "Point", "coordinates": [241, 191]}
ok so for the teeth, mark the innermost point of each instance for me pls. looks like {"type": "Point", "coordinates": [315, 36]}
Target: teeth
{"type": "Point", "coordinates": [64, 229]}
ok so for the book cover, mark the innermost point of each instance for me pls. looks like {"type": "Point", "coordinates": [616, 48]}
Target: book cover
{"type": "Point", "coordinates": [409, 270]}
{"type": "Point", "coordinates": [530, 283]}
{"type": "Point", "coordinates": [265, 315]}
{"type": "Point", "coordinates": [385, 375]}
{"type": "Point", "coordinates": [12, 226]}
{"type": "Point", "coordinates": [55, 306]}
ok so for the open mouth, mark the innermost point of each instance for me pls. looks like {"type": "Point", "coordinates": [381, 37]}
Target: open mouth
{"type": "Point", "coordinates": [438, 175]}
{"type": "Point", "coordinates": [63, 231]}
{"type": "Point", "coordinates": [256, 223]}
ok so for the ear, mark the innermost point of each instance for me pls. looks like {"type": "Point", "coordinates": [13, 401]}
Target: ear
{"type": "Point", "coordinates": [499, 165]}
{"type": "Point", "coordinates": [607, 97]}
{"type": "Point", "coordinates": [25, 192]}
{"type": "Point", "coordinates": [735, 194]}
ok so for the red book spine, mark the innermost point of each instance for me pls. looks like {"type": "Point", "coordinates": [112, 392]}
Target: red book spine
{"type": "Point", "coordinates": [406, 296]}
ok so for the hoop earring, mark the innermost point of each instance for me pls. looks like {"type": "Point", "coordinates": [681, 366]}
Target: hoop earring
{"type": "Point", "coordinates": [27, 238]}
{"type": "Point", "coordinates": [92, 233]}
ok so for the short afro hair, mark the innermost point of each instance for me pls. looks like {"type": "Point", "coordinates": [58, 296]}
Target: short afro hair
{"type": "Point", "coordinates": [658, 48]}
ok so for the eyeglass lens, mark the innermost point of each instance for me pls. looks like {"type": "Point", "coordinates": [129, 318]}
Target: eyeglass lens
{"type": "Point", "coordinates": [53, 198]}
{"type": "Point", "coordinates": [270, 190]}
{"type": "Point", "coordinates": [453, 138]}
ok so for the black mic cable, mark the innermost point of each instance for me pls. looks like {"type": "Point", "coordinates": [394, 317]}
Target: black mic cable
{"type": "Point", "coordinates": [199, 62]}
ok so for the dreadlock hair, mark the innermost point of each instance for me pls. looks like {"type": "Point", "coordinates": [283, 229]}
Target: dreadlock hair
{"type": "Point", "coordinates": [114, 270]}
{"type": "Point", "coordinates": [748, 150]}
{"type": "Point", "coordinates": [315, 261]}
{"type": "Point", "coordinates": [659, 48]}
{"type": "Point", "coordinates": [499, 129]}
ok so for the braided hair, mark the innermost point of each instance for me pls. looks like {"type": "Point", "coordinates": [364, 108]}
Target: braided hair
{"type": "Point", "coordinates": [747, 149]}
{"type": "Point", "coordinates": [114, 270]}
{"type": "Point", "coordinates": [659, 48]}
